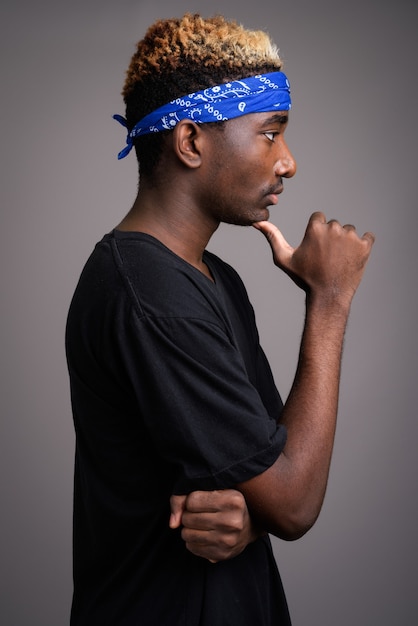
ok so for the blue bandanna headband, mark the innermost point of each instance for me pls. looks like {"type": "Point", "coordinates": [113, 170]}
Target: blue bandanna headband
{"type": "Point", "coordinates": [256, 94]}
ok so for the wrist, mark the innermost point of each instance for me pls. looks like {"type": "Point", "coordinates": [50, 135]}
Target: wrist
{"type": "Point", "coordinates": [326, 320]}
{"type": "Point", "coordinates": [330, 303]}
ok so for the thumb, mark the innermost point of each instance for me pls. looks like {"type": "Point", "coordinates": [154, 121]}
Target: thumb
{"type": "Point", "coordinates": [177, 505]}
{"type": "Point", "coordinates": [281, 249]}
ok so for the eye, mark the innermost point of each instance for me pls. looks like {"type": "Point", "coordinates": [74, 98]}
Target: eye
{"type": "Point", "coordinates": [271, 135]}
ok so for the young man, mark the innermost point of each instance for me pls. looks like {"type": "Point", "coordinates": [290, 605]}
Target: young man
{"type": "Point", "coordinates": [173, 398]}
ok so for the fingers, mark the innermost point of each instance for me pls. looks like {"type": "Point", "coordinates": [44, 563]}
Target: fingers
{"type": "Point", "coordinates": [330, 259]}
{"type": "Point", "coordinates": [215, 511]}
{"type": "Point", "coordinates": [177, 505]}
{"type": "Point", "coordinates": [281, 249]}
{"type": "Point", "coordinates": [214, 501]}
{"type": "Point", "coordinates": [208, 510]}
{"type": "Point", "coordinates": [320, 218]}
{"type": "Point", "coordinates": [272, 234]}
{"type": "Point", "coordinates": [193, 509]}
{"type": "Point", "coordinates": [213, 545]}
{"type": "Point", "coordinates": [369, 237]}
{"type": "Point", "coordinates": [317, 216]}
{"type": "Point", "coordinates": [216, 525]}
{"type": "Point", "coordinates": [206, 546]}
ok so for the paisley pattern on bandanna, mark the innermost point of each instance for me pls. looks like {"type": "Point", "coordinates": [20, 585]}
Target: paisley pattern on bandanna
{"type": "Point", "coordinates": [257, 94]}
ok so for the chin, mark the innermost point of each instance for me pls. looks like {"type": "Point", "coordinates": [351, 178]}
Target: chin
{"type": "Point", "coordinates": [262, 216]}
{"type": "Point", "coordinates": [247, 218]}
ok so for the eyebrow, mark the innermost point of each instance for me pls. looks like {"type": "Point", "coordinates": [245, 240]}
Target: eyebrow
{"type": "Point", "coordinates": [277, 119]}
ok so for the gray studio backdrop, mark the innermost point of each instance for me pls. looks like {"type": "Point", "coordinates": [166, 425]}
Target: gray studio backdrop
{"type": "Point", "coordinates": [353, 131]}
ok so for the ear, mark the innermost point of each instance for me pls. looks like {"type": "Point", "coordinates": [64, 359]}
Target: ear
{"type": "Point", "coordinates": [188, 143]}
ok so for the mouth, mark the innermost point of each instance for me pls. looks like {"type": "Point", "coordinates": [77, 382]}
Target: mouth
{"type": "Point", "coordinates": [278, 190]}
{"type": "Point", "coordinates": [273, 195]}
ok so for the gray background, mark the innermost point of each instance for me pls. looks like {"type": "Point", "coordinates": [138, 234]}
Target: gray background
{"type": "Point", "coordinates": [353, 70]}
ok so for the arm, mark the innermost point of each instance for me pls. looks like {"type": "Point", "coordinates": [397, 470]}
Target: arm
{"type": "Point", "coordinates": [286, 499]}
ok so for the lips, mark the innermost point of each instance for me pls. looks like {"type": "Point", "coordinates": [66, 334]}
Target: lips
{"type": "Point", "coordinates": [275, 191]}
{"type": "Point", "coordinates": [273, 195]}
{"type": "Point", "coordinates": [278, 190]}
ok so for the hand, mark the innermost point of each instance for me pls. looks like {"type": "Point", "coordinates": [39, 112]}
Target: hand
{"type": "Point", "coordinates": [216, 524]}
{"type": "Point", "coordinates": [329, 262]}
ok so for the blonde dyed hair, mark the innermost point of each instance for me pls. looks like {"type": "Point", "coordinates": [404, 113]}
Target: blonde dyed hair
{"type": "Point", "coordinates": [194, 42]}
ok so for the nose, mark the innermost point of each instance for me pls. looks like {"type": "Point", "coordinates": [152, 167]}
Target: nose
{"type": "Point", "coordinates": [285, 165]}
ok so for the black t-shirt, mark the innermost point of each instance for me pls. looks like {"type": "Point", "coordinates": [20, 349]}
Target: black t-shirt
{"type": "Point", "coordinates": [171, 392]}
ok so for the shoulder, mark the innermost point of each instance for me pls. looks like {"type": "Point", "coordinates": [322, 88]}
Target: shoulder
{"type": "Point", "coordinates": [161, 283]}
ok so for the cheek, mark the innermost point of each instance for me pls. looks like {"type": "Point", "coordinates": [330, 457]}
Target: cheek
{"type": "Point", "coordinates": [240, 169]}
{"type": "Point", "coordinates": [249, 176]}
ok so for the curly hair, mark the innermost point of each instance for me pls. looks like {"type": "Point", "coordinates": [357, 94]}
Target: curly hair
{"type": "Point", "coordinates": [180, 56]}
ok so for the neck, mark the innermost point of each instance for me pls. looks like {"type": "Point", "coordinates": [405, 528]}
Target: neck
{"type": "Point", "coordinates": [173, 220]}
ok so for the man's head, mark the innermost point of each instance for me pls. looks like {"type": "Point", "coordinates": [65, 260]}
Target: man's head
{"type": "Point", "coordinates": [181, 56]}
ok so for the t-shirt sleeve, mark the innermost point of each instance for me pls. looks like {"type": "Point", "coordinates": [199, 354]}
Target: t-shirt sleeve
{"type": "Point", "coordinates": [204, 416]}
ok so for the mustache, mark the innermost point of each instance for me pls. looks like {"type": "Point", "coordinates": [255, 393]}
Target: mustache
{"type": "Point", "coordinates": [275, 189]}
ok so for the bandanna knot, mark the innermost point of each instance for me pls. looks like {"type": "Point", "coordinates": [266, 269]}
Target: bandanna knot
{"type": "Point", "coordinates": [256, 94]}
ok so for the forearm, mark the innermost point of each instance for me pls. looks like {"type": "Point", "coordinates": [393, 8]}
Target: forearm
{"type": "Point", "coordinates": [287, 498]}
{"type": "Point", "coordinates": [310, 411]}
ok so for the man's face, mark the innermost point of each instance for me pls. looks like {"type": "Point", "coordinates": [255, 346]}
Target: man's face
{"type": "Point", "coordinates": [244, 167]}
